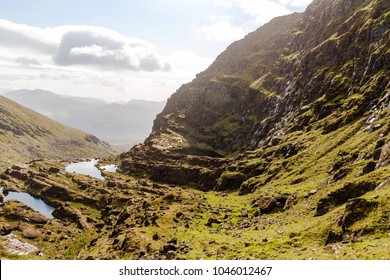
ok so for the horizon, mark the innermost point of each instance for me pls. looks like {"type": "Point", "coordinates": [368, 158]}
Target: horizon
{"type": "Point", "coordinates": [130, 50]}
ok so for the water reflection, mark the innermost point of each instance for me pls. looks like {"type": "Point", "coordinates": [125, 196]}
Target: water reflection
{"type": "Point", "coordinates": [86, 168]}
{"type": "Point", "coordinates": [33, 202]}
{"type": "Point", "coordinates": [109, 168]}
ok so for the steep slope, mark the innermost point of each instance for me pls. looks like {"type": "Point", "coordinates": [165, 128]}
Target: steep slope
{"type": "Point", "coordinates": [26, 135]}
{"type": "Point", "coordinates": [118, 124]}
{"type": "Point", "coordinates": [286, 76]}
{"type": "Point", "coordinates": [302, 115]}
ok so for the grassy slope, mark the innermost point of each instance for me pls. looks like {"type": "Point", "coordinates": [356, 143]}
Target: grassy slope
{"type": "Point", "coordinates": [25, 135]}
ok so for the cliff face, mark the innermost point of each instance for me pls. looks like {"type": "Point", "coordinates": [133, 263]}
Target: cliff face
{"type": "Point", "coordinates": [284, 77]}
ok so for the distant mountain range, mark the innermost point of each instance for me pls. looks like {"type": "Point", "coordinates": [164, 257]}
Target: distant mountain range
{"type": "Point", "coordinates": [26, 135]}
{"type": "Point", "coordinates": [118, 124]}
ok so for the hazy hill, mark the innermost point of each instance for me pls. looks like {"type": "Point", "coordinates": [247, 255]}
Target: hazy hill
{"type": "Point", "coordinates": [26, 135]}
{"type": "Point", "coordinates": [119, 124]}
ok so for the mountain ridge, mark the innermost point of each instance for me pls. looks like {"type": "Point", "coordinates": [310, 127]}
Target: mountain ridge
{"type": "Point", "coordinates": [27, 135]}
{"type": "Point", "coordinates": [119, 124]}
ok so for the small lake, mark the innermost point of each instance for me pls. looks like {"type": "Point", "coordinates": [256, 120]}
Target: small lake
{"type": "Point", "coordinates": [109, 168]}
{"type": "Point", "coordinates": [33, 202]}
{"type": "Point", "coordinates": [86, 168]}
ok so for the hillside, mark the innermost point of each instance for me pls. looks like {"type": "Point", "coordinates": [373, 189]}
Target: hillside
{"type": "Point", "coordinates": [118, 124]}
{"type": "Point", "coordinates": [27, 135]}
{"type": "Point", "coordinates": [279, 150]}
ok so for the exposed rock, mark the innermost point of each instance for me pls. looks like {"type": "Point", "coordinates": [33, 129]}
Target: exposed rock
{"type": "Point", "coordinates": [369, 167]}
{"type": "Point", "coordinates": [171, 255]}
{"type": "Point", "coordinates": [14, 246]}
{"type": "Point", "coordinates": [6, 229]}
{"type": "Point", "coordinates": [71, 214]}
{"type": "Point", "coordinates": [340, 196]}
{"type": "Point", "coordinates": [168, 247]}
{"type": "Point", "coordinates": [18, 211]}
{"type": "Point", "coordinates": [230, 181]}
{"type": "Point", "coordinates": [383, 184]}
{"type": "Point", "coordinates": [267, 204]}
{"type": "Point", "coordinates": [212, 221]}
{"type": "Point", "coordinates": [356, 209]}
{"type": "Point", "coordinates": [30, 233]}
{"type": "Point", "coordinates": [53, 169]}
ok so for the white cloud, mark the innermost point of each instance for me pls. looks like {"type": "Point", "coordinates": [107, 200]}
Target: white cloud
{"type": "Point", "coordinates": [20, 37]}
{"type": "Point", "coordinates": [79, 45]}
{"type": "Point", "coordinates": [106, 49]}
{"type": "Point", "coordinates": [27, 61]}
{"type": "Point", "coordinates": [221, 31]}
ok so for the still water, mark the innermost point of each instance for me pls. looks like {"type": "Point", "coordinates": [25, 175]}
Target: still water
{"type": "Point", "coordinates": [109, 168]}
{"type": "Point", "coordinates": [86, 168]}
{"type": "Point", "coordinates": [33, 202]}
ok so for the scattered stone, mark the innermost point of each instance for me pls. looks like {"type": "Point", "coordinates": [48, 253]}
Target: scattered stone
{"type": "Point", "coordinates": [244, 214]}
{"type": "Point", "coordinates": [172, 241]}
{"type": "Point", "coordinates": [31, 233]}
{"type": "Point", "coordinates": [212, 221]}
{"type": "Point", "coordinates": [166, 248]}
{"type": "Point", "coordinates": [171, 255]}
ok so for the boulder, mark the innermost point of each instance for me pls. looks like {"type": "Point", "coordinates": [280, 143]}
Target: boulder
{"type": "Point", "coordinates": [30, 233]}
{"type": "Point", "coordinates": [6, 229]}
{"type": "Point", "coordinates": [267, 204]}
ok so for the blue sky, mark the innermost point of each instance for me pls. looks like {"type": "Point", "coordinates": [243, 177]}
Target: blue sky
{"type": "Point", "coordinates": [121, 49]}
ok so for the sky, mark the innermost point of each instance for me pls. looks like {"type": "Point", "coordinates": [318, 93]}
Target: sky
{"type": "Point", "coordinates": [118, 50]}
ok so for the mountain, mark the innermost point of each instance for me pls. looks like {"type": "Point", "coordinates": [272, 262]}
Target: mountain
{"type": "Point", "coordinates": [295, 118]}
{"type": "Point", "coordinates": [27, 135]}
{"type": "Point", "coordinates": [52, 105]}
{"type": "Point", "coordinates": [279, 150]}
{"type": "Point", "coordinates": [118, 124]}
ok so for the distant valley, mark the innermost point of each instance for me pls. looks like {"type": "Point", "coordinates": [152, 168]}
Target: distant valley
{"type": "Point", "coordinates": [26, 135]}
{"type": "Point", "coordinates": [118, 124]}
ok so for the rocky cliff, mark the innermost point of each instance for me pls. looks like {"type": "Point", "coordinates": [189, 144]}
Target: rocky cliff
{"type": "Point", "coordinates": [295, 116]}
{"type": "Point", "coordinates": [289, 75]}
